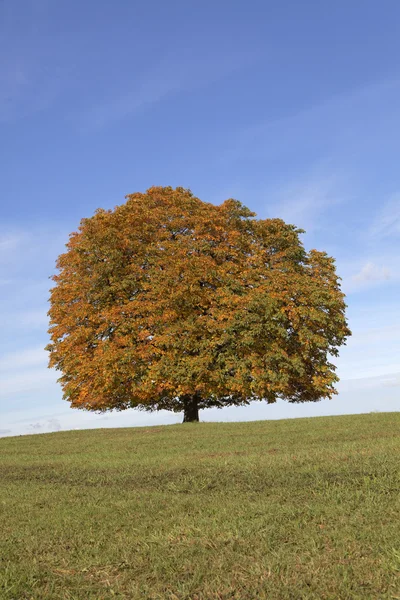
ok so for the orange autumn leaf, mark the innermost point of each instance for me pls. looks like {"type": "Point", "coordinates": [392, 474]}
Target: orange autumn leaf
{"type": "Point", "coordinates": [168, 302]}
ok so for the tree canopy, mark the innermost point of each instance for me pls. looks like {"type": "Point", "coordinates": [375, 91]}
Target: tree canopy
{"type": "Point", "coordinates": [168, 302]}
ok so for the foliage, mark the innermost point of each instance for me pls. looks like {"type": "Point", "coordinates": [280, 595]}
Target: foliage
{"type": "Point", "coordinates": [280, 510]}
{"type": "Point", "coordinates": [168, 302]}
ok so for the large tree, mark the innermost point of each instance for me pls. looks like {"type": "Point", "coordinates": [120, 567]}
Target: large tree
{"type": "Point", "coordinates": [168, 302]}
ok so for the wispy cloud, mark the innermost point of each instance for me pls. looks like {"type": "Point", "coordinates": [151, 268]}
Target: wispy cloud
{"type": "Point", "coordinates": [173, 74]}
{"type": "Point", "coordinates": [27, 259]}
{"type": "Point", "coordinates": [303, 202]}
{"type": "Point", "coordinates": [28, 381]}
{"type": "Point", "coordinates": [30, 357]}
{"type": "Point", "coordinates": [375, 336]}
{"type": "Point", "coordinates": [25, 372]}
{"type": "Point", "coordinates": [344, 123]}
{"type": "Point", "coordinates": [93, 82]}
{"type": "Point", "coordinates": [387, 222]}
{"type": "Point", "coordinates": [46, 426]}
{"type": "Point", "coordinates": [34, 318]}
{"type": "Point", "coordinates": [31, 78]}
{"type": "Point", "coordinates": [371, 351]}
{"type": "Point", "coordinates": [386, 380]}
{"type": "Point", "coordinates": [40, 420]}
{"type": "Point", "coordinates": [25, 321]}
{"type": "Point", "coordinates": [9, 242]}
{"type": "Point", "coordinates": [146, 93]}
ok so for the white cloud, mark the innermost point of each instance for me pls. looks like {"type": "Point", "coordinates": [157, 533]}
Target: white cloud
{"type": "Point", "coordinates": [360, 276]}
{"type": "Point", "coordinates": [372, 272]}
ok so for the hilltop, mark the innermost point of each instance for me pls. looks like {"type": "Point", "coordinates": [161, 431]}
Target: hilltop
{"type": "Point", "coordinates": [291, 509]}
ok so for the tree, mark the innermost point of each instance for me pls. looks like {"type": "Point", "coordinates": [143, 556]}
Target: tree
{"type": "Point", "coordinates": [168, 302]}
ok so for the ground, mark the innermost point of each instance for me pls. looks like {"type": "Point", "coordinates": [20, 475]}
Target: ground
{"type": "Point", "coordinates": [292, 509]}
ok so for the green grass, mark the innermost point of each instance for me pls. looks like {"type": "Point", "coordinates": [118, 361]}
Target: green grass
{"type": "Point", "coordinates": [302, 508]}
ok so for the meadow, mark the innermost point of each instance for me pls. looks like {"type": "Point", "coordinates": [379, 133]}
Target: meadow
{"type": "Point", "coordinates": [291, 509]}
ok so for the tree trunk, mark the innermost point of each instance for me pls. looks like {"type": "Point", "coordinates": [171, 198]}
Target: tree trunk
{"type": "Point", "coordinates": [190, 409]}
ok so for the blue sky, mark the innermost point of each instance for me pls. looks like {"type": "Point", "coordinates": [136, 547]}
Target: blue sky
{"type": "Point", "coordinates": [291, 107]}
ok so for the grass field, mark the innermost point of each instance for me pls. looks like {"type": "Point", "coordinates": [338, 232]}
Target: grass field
{"type": "Point", "coordinates": [301, 508]}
